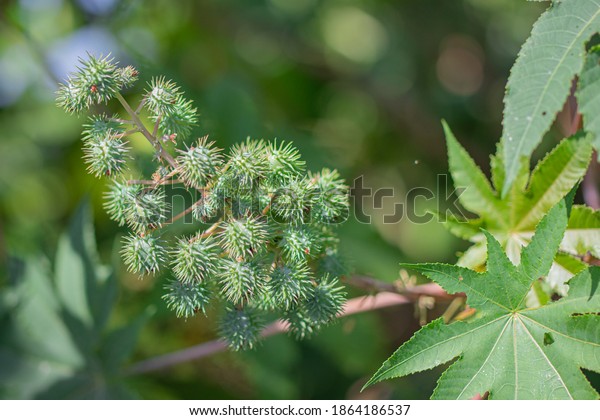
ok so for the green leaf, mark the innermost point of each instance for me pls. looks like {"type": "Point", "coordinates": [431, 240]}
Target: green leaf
{"type": "Point", "coordinates": [120, 343]}
{"type": "Point", "coordinates": [507, 349]}
{"type": "Point", "coordinates": [72, 264]}
{"type": "Point", "coordinates": [583, 232]}
{"type": "Point", "coordinates": [521, 209]}
{"type": "Point", "coordinates": [541, 77]}
{"type": "Point", "coordinates": [54, 342]}
{"type": "Point", "coordinates": [587, 95]}
{"type": "Point", "coordinates": [38, 313]}
{"type": "Point", "coordinates": [477, 195]}
{"type": "Point", "coordinates": [463, 228]}
{"type": "Point", "coordinates": [553, 178]}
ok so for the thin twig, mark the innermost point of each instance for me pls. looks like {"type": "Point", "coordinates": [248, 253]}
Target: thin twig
{"type": "Point", "coordinates": [156, 126]}
{"type": "Point", "coordinates": [182, 214]}
{"type": "Point", "coordinates": [153, 141]}
{"type": "Point", "coordinates": [141, 105]}
{"type": "Point", "coordinates": [353, 306]}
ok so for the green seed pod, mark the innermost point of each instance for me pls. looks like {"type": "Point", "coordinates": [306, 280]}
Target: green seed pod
{"type": "Point", "coordinates": [118, 200]}
{"type": "Point", "coordinates": [126, 76]}
{"type": "Point", "coordinates": [187, 299]}
{"type": "Point", "coordinates": [143, 254]}
{"type": "Point", "coordinates": [289, 284]}
{"type": "Point", "coordinates": [325, 302]}
{"type": "Point", "coordinates": [100, 127]}
{"type": "Point", "coordinates": [329, 198]}
{"type": "Point", "coordinates": [195, 261]}
{"type": "Point", "coordinates": [147, 210]}
{"type": "Point", "coordinates": [178, 120]}
{"type": "Point", "coordinates": [289, 202]}
{"type": "Point", "coordinates": [284, 163]}
{"type": "Point", "coordinates": [299, 243]}
{"type": "Point", "coordinates": [243, 238]}
{"type": "Point", "coordinates": [105, 156]}
{"type": "Point", "coordinates": [162, 96]}
{"type": "Point", "coordinates": [199, 163]}
{"type": "Point", "coordinates": [241, 280]}
{"type": "Point", "coordinates": [300, 325]}
{"type": "Point", "coordinates": [247, 164]}
{"type": "Point", "coordinates": [241, 328]}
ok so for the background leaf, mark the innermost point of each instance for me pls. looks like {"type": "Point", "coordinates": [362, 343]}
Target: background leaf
{"type": "Point", "coordinates": [587, 95]}
{"type": "Point", "coordinates": [540, 79]}
{"type": "Point", "coordinates": [54, 342]}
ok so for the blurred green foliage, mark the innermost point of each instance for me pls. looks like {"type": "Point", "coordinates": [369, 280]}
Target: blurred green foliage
{"type": "Point", "coordinates": [358, 85]}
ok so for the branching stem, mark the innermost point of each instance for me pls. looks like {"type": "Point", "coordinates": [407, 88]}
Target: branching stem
{"type": "Point", "coordinates": [353, 306]}
{"type": "Point", "coordinates": [140, 125]}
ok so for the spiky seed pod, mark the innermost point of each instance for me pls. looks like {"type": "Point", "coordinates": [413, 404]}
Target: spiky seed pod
{"type": "Point", "coordinates": [195, 261]}
{"type": "Point", "coordinates": [162, 96]}
{"type": "Point", "coordinates": [288, 203]}
{"type": "Point", "coordinates": [284, 162]}
{"type": "Point", "coordinates": [241, 327]}
{"type": "Point", "coordinates": [329, 198]}
{"type": "Point", "coordinates": [241, 280]}
{"type": "Point", "coordinates": [143, 254]}
{"type": "Point", "coordinates": [325, 301]}
{"type": "Point", "coordinates": [101, 126]}
{"type": "Point", "coordinates": [331, 263]}
{"type": "Point", "coordinates": [264, 299]}
{"type": "Point", "coordinates": [244, 204]}
{"type": "Point", "coordinates": [300, 325]}
{"type": "Point", "coordinates": [118, 200]}
{"type": "Point", "coordinates": [210, 208]}
{"type": "Point", "coordinates": [126, 76]}
{"type": "Point", "coordinates": [187, 299]}
{"type": "Point", "coordinates": [147, 210]}
{"type": "Point", "coordinates": [199, 163]}
{"type": "Point", "coordinates": [299, 243]}
{"type": "Point", "coordinates": [178, 120]}
{"type": "Point", "coordinates": [247, 164]}
{"type": "Point", "coordinates": [289, 284]}
{"type": "Point", "coordinates": [105, 156]}
{"type": "Point", "coordinates": [94, 82]}
{"type": "Point", "coordinates": [70, 98]}
{"type": "Point", "coordinates": [243, 238]}
{"type": "Point", "coordinates": [97, 76]}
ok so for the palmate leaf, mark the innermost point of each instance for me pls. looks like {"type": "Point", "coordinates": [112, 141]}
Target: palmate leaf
{"type": "Point", "coordinates": [531, 196]}
{"type": "Point", "coordinates": [540, 78]}
{"type": "Point", "coordinates": [507, 349]}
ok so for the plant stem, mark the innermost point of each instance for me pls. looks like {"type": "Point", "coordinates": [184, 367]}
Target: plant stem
{"type": "Point", "coordinates": [183, 213]}
{"type": "Point", "coordinates": [353, 306]}
{"type": "Point", "coordinates": [140, 125]}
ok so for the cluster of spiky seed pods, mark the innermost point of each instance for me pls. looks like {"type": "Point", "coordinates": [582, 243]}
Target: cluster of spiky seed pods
{"type": "Point", "coordinates": [262, 237]}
